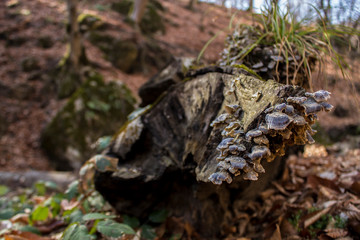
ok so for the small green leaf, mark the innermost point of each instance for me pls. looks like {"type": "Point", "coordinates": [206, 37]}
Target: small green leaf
{"type": "Point", "coordinates": [76, 231]}
{"type": "Point", "coordinates": [40, 213]}
{"type": "Point", "coordinates": [158, 216]}
{"type": "Point", "coordinates": [40, 188]}
{"type": "Point", "coordinates": [3, 190]}
{"type": "Point", "coordinates": [72, 190]}
{"type": "Point", "coordinates": [95, 216]}
{"type": "Point", "coordinates": [29, 228]}
{"type": "Point", "coordinates": [76, 216]}
{"type": "Point", "coordinates": [131, 221]}
{"type": "Point", "coordinates": [147, 232]}
{"type": "Point", "coordinates": [111, 228]}
{"type": "Point", "coordinates": [6, 213]}
{"type": "Point", "coordinates": [51, 185]}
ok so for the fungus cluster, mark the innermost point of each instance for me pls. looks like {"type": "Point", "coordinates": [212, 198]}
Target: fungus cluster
{"type": "Point", "coordinates": [284, 124]}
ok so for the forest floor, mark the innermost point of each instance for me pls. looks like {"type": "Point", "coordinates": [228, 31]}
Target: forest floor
{"type": "Point", "coordinates": [33, 40]}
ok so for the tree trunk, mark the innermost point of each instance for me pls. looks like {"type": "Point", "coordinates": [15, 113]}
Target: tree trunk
{"type": "Point", "coordinates": [169, 155]}
{"type": "Point", "coordinates": [251, 6]}
{"type": "Point", "coordinates": [75, 38]}
{"type": "Point", "coordinates": [139, 10]}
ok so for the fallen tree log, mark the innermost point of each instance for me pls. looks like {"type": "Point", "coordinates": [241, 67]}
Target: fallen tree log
{"type": "Point", "coordinates": [217, 126]}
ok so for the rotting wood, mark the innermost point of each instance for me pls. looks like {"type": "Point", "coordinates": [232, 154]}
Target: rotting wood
{"type": "Point", "coordinates": [169, 154]}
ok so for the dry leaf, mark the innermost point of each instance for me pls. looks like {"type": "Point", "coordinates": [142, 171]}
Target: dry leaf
{"type": "Point", "coordinates": [336, 232]}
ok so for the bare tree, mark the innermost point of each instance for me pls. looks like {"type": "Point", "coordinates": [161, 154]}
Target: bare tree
{"type": "Point", "coordinates": [139, 10]}
{"type": "Point", "coordinates": [75, 38]}
{"type": "Point", "coordinates": [251, 6]}
{"type": "Point", "coordinates": [191, 4]}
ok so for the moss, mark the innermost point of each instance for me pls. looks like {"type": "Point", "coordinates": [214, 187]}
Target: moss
{"type": "Point", "coordinates": [89, 22]}
{"type": "Point", "coordinates": [94, 110]}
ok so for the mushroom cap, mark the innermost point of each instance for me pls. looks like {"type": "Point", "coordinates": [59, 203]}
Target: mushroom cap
{"type": "Point", "coordinates": [297, 100]}
{"type": "Point", "coordinates": [319, 96]}
{"type": "Point", "coordinates": [219, 177]}
{"type": "Point", "coordinates": [289, 109]}
{"type": "Point", "coordinates": [236, 149]}
{"type": "Point", "coordinates": [311, 106]}
{"type": "Point", "coordinates": [258, 152]}
{"type": "Point", "coordinates": [232, 125]}
{"type": "Point", "coordinates": [236, 162]}
{"type": "Point", "coordinates": [222, 165]}
{"type": "Point", "coordinates": [251, 175]}
{"type": "Point", "coordinates": [261, 140]}
{"type": "Point", "coordinates": [253, 133]}
{"type": "Point", "coordinates": [225, 143]}
{"type": "Point", "coordinates": [231, 108]}
{"type": "Point", "coordinates": [220, 119]}
{"type": "Point", "coordinates": [327, 107]}
{"type": "Point", "coordinates": [280, 107]}
{"type": "Point", "coordinates": [277, 120]}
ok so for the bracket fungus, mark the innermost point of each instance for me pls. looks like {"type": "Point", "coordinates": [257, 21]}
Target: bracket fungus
{"type": "Point", "coordinates": [290, 121]}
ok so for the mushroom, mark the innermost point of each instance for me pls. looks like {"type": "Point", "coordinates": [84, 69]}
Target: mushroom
{"type": "Point", "coordinates": [258, 152]}
{"type": "Point", "coordinates": [299, 120]}
{"type": "Point", "coordinates": [220, 119]}
{"type": "Point", "coordinates": [319, 96]}
{"type": "Point", "coordinates": [296, 100]}
{"type": "Point", "coordinates": [277, 120]}
{"type": "Point", "coordinates": [311, 106]}
{"type": "Point", "coordinates": [253, 133]}
{"type": "Point", "coordinates": [261, 140]}
{"type": "Point", "coordinates": [327, 107]}
{"type": "Point", "coordinates": [236, 149]}
{"type": "Point", "coordinates": [236, 162]}
{"type": "Point", "coordinates": [219, 177]}
{"type": "Point", "coordinates": [289, 109]}
{"type": "Point", "coordinates": [232, 108]}
{"type": "Point", "coordinates": [280, 107]}
{"type": "Point", "coordinates": [223, 165]}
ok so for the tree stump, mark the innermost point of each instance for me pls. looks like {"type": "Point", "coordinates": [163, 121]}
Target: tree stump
{"type": "Point", "coordinates": [220, 125]}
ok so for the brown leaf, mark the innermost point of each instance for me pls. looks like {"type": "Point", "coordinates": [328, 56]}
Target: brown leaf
{"type": "Point", "coordinates": [336, 232]}
{"type": "Point", "coordinates": [287, 229]}
{"type": "Point", "coordinates": [313, 217]}
{"type": "Point", "coordinates": [315, 181]}
{"type": "Point", "coordinates": [50, 226]}
{"type": "Point", "coordinates": [17, 235]}
{"type": "Point", "coordinates": [276, 234]}
{"type": "Point", "coordinates": [22, 218]}
{"type": "Point", "coordinates": [355, 188]}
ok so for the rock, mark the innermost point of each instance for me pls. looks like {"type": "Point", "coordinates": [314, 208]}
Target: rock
{"type": "Point", "coordinates": [94, 110]}
{"type": "Point", "coordinates": [29, 64]}
{"type": "Point", "coordinates": [204, 129]}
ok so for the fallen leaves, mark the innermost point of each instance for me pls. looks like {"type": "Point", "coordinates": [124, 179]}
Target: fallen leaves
{"type": "Point", "coordinates": [316, 198]}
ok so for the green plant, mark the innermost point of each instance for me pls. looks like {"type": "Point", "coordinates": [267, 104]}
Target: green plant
{"type": "Point", "coordinates": [296, 44]}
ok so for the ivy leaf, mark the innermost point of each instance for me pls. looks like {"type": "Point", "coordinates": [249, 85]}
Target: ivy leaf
{"type": "Point", "coordinates": [131, 221]}
{"type": "Point", "coordinates": [147, 232]}
{"type": "Point", "coordinates": [72, 190]}
{"type": "Point", "coordinates": [6, 213]}
{"type": "Point", "coordinates": [158, 216]}
{"type": "Point", "coordinates": [111, 228]}
{"type": "Point", "coordinates": [76, 231]}
{"type": "Point", "coordinates": [104, 163]}
{"type": "Point", "coordinates": [3, 190]}
{"type": "Point", "coordinates": [95, 216]}
{"type": "Point", "coordinates": [40, 188]}
{"type": "Point", "coordinates": [40, 213]}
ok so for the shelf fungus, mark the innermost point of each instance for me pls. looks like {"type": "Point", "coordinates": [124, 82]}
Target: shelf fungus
{"type": "Point", "coordinates": [283, 124]}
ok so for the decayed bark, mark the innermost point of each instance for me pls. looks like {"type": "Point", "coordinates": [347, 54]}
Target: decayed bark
{"type": "Point", "coordinates": [169, 154]}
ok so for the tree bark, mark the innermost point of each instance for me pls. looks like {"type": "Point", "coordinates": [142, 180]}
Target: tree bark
{"type": "Point", "coordinates": [75, 38]}
{"type": "Point", "coordinates": [139, 10]}
{"type": "Point", "coordinates": [168, 155]}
